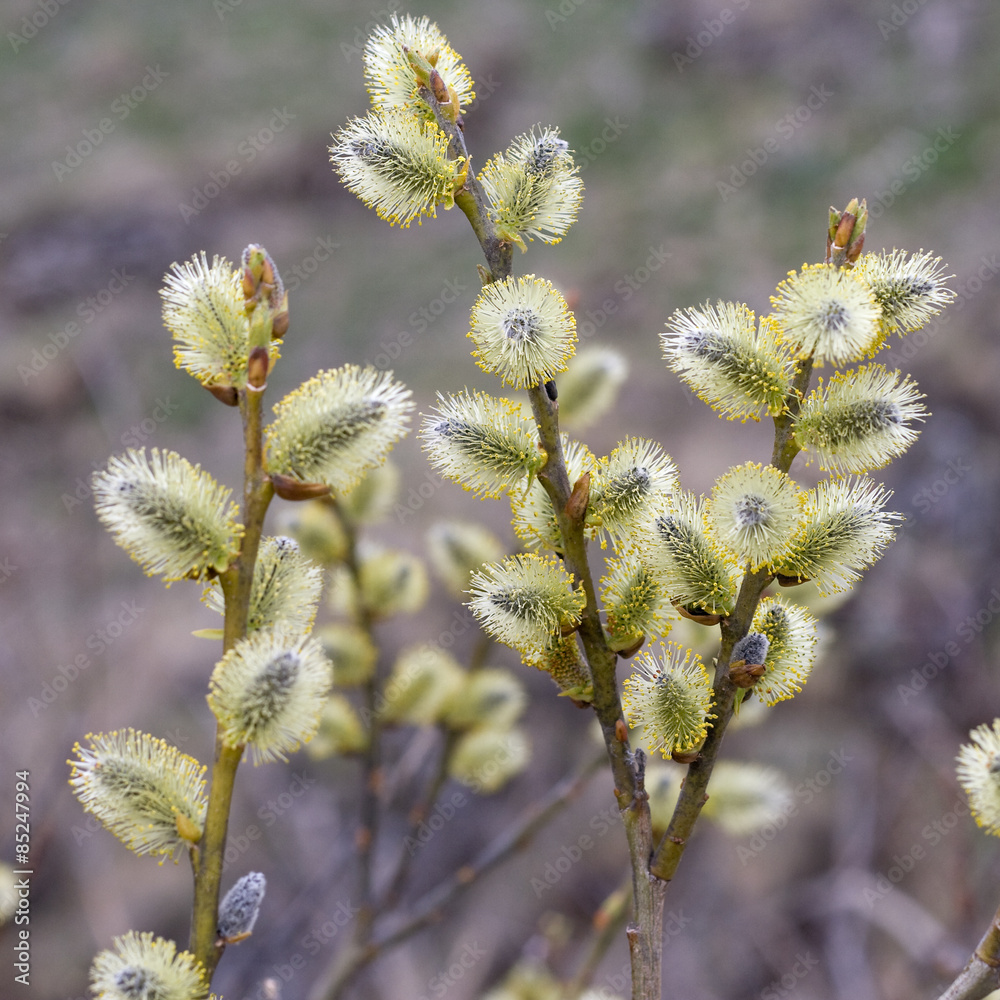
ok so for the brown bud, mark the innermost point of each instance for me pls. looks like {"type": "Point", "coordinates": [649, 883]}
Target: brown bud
{"type": "Point", "coordinates": [268, 275]}
{"type": "Point", "coordinates": [291, 489]}
{"type": "Point", "coordinates": [257, 367]}
{"type": "Point", "coordinates": [279, 321]}
{"type": "Point", "coordinates": [789, 581]}
{"type": "Point", "coordinates": [249, 283]}
{"type": "Point", "coordinates": [686, 756]}
{"type": "Point", "coordinates": [438, 88]}
{"type": "Point", "coordinates": [621, 733]}
{"type": "Point", "coordinates": [745, 675]}
{"type": "Point", "coordinates": [225, 394]}
{"type": "Point", "coordinates": [846, 234]}
{"type": "Point", "coordinates": [699, 615]}
{"type": "Point", "coordinates": [261, 280]}
{"type": "Point", "coordinates": [844, 231]}
{"type": "Point", "coordinates": [576, 505]}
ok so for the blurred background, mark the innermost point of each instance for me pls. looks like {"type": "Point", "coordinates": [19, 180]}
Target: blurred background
{"type": "Point", "coordinates": [714, 136]}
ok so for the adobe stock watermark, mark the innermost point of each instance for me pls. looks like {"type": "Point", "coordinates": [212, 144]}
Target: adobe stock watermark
{"type": "Point", "coordinates": [420, 321]}
{"type": "Point", "coordinates": [486, 87]}
{"type": "Point", "coordinates": [96, 644]}
{"type": "Point", "coordinates": [972, 286]}
{"type": "Point", "coordinates": [435, 821]}
{"type": "Point", "coordinates": [711, 28]}
{"type": "Point", "coordinates": [381, 17]}
{"type": "Point", "coordinates": [933, 492]}
{"type": "Point", "coordinates": [902, 864]}
{"type": "Point", "coordinates": [470, 956]}
{"type": "Point", "coordinates": [88, 310]}
{"type": "Point", "coordinates": [803, 795]}
{"type": "Point", "coordinates": [954, 473]}
{"type": "Point", "coordinates": [121, 107]}
{"type": "Point", "coordinates": [237, 844]}
{"type": "Point", "coordinates": [417, 496]}
{"type": "Point", "coordinates": [624, 288]}
{"type": "Point", "coordinates": [613, 128]}
{"type": "Point", "coordinates": [246, 152]}
{"type": "Point", "coordinates": [301, 272]}
{"type": "Point", "coordinates": [135, 437]}
{"type": "Point", "coordinates": [785, 128]}
{"type": "Point", "coordinates": [138, 434]}
{"type": "Point", "coordinates": [318, 937]}
{"type": "Point", "coordinates": [936, 661]}
{"type": "Point", "coordinates": [805, 962]}
{"type": "Point", "coordinates": [34, 22]}
{"type": "Point", "coordinates": [898, 16]}
{"type": "Point", "coordinates": [565, 10]}
{"type": "Point", "coordinates": [445, 811]}
{"type": "Point", "coordinates": [911, 170]}
{"type": "Point", "coordinates": [461, 622]}
{"type": "Point", "coordinates": [571, 854]}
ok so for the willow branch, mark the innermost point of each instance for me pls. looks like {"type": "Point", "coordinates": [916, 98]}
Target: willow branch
{"type": "Point", "coordinates": [694, 791]}
{"type": "Point", "coordinates": [237, 583]}
{"type": "Point", "coordinates": [981, 975]}
{"type": "Point", "coordinates": [644, 934]}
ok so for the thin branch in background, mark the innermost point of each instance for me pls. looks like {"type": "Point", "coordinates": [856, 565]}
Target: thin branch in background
{"type": "Point", "coordinates": [430, 907]}
{"type": "Point", "coordinates": [606, 928]}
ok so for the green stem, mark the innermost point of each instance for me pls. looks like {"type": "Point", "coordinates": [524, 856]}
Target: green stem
{"type": "Point", "coordinates": [601, 660]}
{"type": "Point", "coordinates": [237, 582]}
{"type": "Point", "coordinates": [694, 791]}
{"type": "Point", "coordinates": [471, 198]}
{"type": "Point", "coordinates": [644, 934]}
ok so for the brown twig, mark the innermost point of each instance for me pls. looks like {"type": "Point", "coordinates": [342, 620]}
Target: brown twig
{"type": "Point", "coordinates": [431, 906]}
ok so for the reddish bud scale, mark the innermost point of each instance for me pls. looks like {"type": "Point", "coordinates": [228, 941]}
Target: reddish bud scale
{"type": "Point", "coordinates": [257, 367]}
{"type": "Point", "coordinates": [576, 505]}
{"type": "Point", "coordinates": [291, 489]}
{"type": "Point", "coordinates": [226, 394]}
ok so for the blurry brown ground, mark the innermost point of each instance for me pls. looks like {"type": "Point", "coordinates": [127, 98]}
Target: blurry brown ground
{"type": "Point", "coordinates": [869, 89]}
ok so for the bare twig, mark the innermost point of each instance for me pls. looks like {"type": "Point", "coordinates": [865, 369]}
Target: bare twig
{"type": "Point", "coordinates": [431, 905]}
{"type": "Point", "coordinates": [981, 975]}
{"type": "Point", "coordinates": [608, 923]}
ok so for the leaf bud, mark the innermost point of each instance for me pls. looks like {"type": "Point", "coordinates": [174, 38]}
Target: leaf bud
{"type": "Point", "coordinates": [291, 489]}
{"type": "Point", "coordinates": [226, 394]}
{"type": "Point", "coordinates": [257, 367]}
{"type": "Point", "coordinates": [846, 235]}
